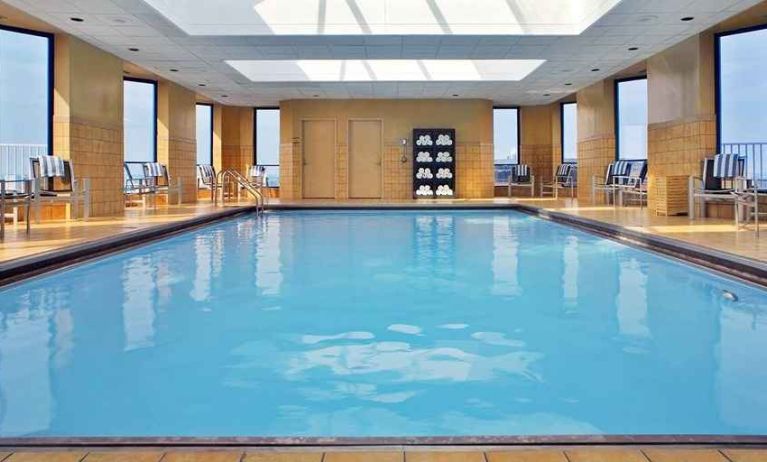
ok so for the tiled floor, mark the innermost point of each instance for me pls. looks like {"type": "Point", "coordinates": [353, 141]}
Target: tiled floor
{"type": "Point", "coordinates": [581, 454]}
{"type": "Point", "coordinates": [52, 235]}
{"type": "Point", "coordinates": [716, 233]}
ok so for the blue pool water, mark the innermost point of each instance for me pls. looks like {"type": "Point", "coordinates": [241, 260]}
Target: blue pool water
{"type": "Point", "coordinates": [382, 324]}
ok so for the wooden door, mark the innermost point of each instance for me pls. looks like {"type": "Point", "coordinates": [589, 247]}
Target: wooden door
{"type": "Point", "coordinates": [319, 148]}
{"type": "Point", "coordinates": [365, 156]}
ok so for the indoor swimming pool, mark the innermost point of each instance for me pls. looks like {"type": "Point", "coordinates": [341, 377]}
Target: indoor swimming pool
{"type": "Point", "coordinates": [382, 323]}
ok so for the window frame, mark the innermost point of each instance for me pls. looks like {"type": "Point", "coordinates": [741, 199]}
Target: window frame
{"type": "Point", "coordinates": [51, 73]}
{"type": "Point", "coordinates": [616, 109]}
{"type": "Point", "coordinates": [154, 117]}
{"type": "Point", "coordinates": [562, 134]}
{"type": "Point", "coordinates": [212, 126]}
{"type": "Point", "coordinates": [717, 73]}
{"type": "Point", "coordinates": [519, 131]}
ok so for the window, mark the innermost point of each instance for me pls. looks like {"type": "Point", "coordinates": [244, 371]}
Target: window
{"type": "Point", "coordinates": [631, 118]}
{"type": "Point", "coordinates": [267, 133]}
{"type": "Point", "coordinates": [204, 134]}
{"type": "Point", "coordinates": [742, 97]}
{"type": "Point", "coordinates": [140, 120]}
{"type": "Point", "coordinates": [569, 120]}
{"type": "Point", "coordinates": [505, 142]}
{"type": "Point", "coordinates": [25, 99]}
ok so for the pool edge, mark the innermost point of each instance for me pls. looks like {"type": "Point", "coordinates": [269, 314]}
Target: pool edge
{"type": "Point", "coordinates": [20, 269]}
{"type": "Point", "coordinates": [735, 266]}
{"type": "Point", "coordinates": [362, 442]}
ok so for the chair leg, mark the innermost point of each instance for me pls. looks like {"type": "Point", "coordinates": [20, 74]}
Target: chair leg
{"type": "Point", "coordinates": [691, 198]}
{"type": "Point", "coordinates": [27, 216]}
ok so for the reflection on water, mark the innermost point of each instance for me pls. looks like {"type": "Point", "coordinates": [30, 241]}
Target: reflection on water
{"type": "Point", "coordinates": [399, 323]}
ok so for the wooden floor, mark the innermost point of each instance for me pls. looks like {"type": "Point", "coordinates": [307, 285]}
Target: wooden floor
{"type": "Point", "coordinates": [715, 233]}
{"type": "Point", "coordinates": [581, 454]}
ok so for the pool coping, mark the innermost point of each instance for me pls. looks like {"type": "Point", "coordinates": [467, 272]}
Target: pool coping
{"type": "Point", "coordinates": [739, 267]}
{"type": "Point", "coordinates": [368, 442]}
{"type": "Point", "coordinates": [20, 269]}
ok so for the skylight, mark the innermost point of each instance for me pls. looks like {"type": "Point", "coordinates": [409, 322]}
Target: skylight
{"type": "Point", "coordinates": [387, 70]}
{"type": "Point", "coordinates": [383, 17]}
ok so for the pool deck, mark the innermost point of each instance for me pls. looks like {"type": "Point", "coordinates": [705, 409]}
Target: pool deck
{"type": "Point", "coordinates": [402, 454]}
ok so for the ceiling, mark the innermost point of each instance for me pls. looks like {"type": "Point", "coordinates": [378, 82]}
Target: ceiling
{"type": "Point", "coordinates": [579, 48]}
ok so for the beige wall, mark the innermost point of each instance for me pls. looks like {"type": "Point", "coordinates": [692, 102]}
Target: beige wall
{"type": "Point", "coordinates": [681, 116]}
{"type": "Point", "coordinates": [237, 138]}
{"type": "Point", "coordinates": [472, 120]}
{"type": "Point", "coordinates": [87, 119]}
{"type": "Point", "coordinates": [681, 81]}
{"type": "Point", "coordinates": [596, 133]}
{"type": "Point", "coordinates": [177, 137]}
{"type": "Point", "coordinates": [218, 136]}
{"type": "Point", "coordinates": [536, 148]}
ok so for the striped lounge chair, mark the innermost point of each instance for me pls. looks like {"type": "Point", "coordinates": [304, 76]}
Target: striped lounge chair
{"type": "Point", "coordinates": [521, 176]}
{"type": "Point", "coordinates": [54, 182]}
{"type": "Point", "coordinates": [158, 179]}
{"type": "Point", "coordinates": [565, 176]}
{"type": "Point", "coordinates": [206, 178]}
{"type": "Point", "coordinates": [608, 183]}
{"type": "Point", "coordinates": [634, 184]}
{"type": "Point", "coordinates": [721, 174]}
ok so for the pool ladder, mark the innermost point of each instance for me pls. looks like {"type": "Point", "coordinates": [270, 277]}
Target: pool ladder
{"type": "Point", "coordinates": [232, 183]}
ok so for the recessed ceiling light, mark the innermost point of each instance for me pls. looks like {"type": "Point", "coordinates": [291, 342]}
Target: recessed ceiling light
{"type": "Point", "coordinates": [133, 49]}
{"type": "Point", "coordinates": [596, 69]}
{"type": "Point", "coordinates": [687, 18]}
{"type": "Point", "coordinates": [633, 48]}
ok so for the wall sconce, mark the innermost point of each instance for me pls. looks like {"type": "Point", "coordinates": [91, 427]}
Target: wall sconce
{"type": "Point", "coordinates": [403, 142]}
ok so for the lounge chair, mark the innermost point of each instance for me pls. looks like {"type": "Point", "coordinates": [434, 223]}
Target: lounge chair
{"type": "Point", "coordinates": [54, 182]}
{"type": "Point", "coordinates": [257, 176]}
{"type": "Point", "coordinates": [206, 178]}
{"type": "Point", "coordinates": [521, 176]}
{"type": "Point", "coordinates": [747, 197]}
{"type": "Point", "coordinates": [136, 188]}
{"type": "Point", "coordinates": [565, 176]}
{"type": "Point", "coordinates": [634, 184]}
{"type": "Point", "coordinates": [15, 193]}
{"type": "Point", "coordinates": [720, 178]}
{"type": "Point", "coordinates": [158, 179]}
{"type": "Point", "coordinates": [607, 185]}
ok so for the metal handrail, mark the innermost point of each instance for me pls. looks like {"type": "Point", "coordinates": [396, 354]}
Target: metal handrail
{"type": "Point", "coordinates": [232, 176]}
